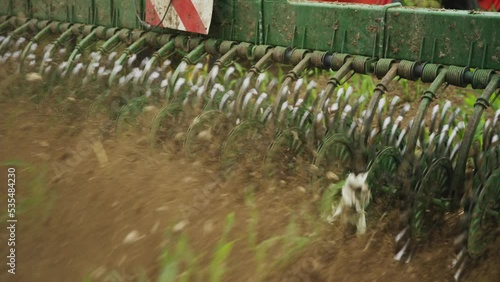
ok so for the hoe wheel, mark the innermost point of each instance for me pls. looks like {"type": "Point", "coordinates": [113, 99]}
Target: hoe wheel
{"type": "Point", "coordinates": [166, 114]}
{"type": "Point", "coordinates": [485, 217]}
{"type": "Point", "coordinates": [382, 170]}
{"type": "Point", "coordinates": [333, 155]}
{"type": "Point", "coordinates": [239, 143]}
{"type": "Point", "coordinates": [425, 214]}
{"type": "Point", "coordinates": [282, 151]}
{"type": "Point", "coordinates": [202, 132]}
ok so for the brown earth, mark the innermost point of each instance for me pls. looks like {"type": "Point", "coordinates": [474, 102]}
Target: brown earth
{"type": "Point", "coordinates": [73, 225]}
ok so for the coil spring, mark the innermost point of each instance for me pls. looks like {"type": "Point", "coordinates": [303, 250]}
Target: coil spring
{"type": "Point", "coordinates": [280, 54]}
{"type": "Point", "coordinates": [383, 66]}
{"type": "Point", "coordinates": [261, 50]}
{"type": "Point", "coordinates": [226, 45]}
{"type": "Point", "coordinates": [406, 69]}
{"type": "Point", "coordinates": [298, 55]}
{"type": "Point", "coordinates": [317, 58]}
{"type": "Point", "coordinates": [430, 72]}
{"type": "Point", "coordinates": [455, 76]}
{"type": "Point", "coordinates": [211, 46]}
{"type": "Point", "coordinates": [338, 60]}
{"type": "Point", "coordinates": [359, 64]}
{"type": "Point", "coordinates": [481, 78]}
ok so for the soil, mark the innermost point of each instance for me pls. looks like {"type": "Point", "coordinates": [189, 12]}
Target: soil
{"type": "Point", "coordinates": [113, 186]}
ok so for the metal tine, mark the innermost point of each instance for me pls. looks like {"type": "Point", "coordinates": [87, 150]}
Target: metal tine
{"type": "Point", "coordinates": [189, 94]}
{"type": "Point", "coordinates": [52, 47]}
{"type": "Point", "coordinates": [283, 111]}
{"type": "Point", "coordinates": [336, 105]}
{"type": "Point", "coordinates": [347, 95]}
{"type": "Point", "coordinates": [383, 132]}
{"type": "Point", "coordinates": [79, 48]}
{"type": "Point", "coordinates": [442, 135]}
{"type": "Point", "coordinates": [496, 119]}
{"type": "Point", "coordinates": [267, 115]}
{"type": "Point", "coordinates": [152, 77]}
{"type": "Point", "coordinates": [16, 54]}
{"type": "Point", "coordinates": [217, 90]}
{"type": "Point", "coordinates": [332, 110]}
{"type": "Point", "coordinates": [456, 129]}
{"type": "Point", "coordinates": [344, 102]}
{"type": "Point", "coordinates": [195, 75]}
{"type": "Point", "coordinates": [253, 92]}
{"type": "Point", "coordinates": [224, 99]}
{"type": "Point", "coordinates": [357, 105]}
{"type": "Point", "coordinates": [318, 99]}
{"type": "Point", "coordinates": [435, 111]}
{"type": "Point", "coordinates": [77, 69]}
{"type": "Point", "coordinates": [394, 129]}
{"type": "Point", "coordinates": [305, 116]}
{"type": "Point", "coordinates": [19, 42]}
{"type": "Point", "coordinates": [296, 90]}
{"type": "Point", "coordinates": [292, 75]}
{"type": "Point", "coordinates": [401, 252]}
{"type": "Point", "coordinates": [199, 94]}
{"type": "Point", "coordinates": [178, 86]}
{"type": "Point", "coordinates": [281, 97]}
{"type": "Point", "coordinates": [296, 108]}
{"type": "Point", "coordinates": [431, 145]}
{"type": "Point", "coordinates": [272, 85]}
{"type": "Point", "coordinates": [257, 107]}
{"type": "Point", "coordinates": [227, 76]}
{"type": "Point", "coordinates": [95, 61]}
{"type": "Point", "coordinates": [326, 107]}
{"type": "Point", "coordinates": [453, 116]}
{"type": "Point", "coordinates": [486, 132]}
{"type": "Point", "coordinates": [392, 108]}
{"type": "Point", "coordinates": [345, 113]}
{"type": "Point", "coordinates": [380, 112]}
{"type": "Point", "coordinates": [410, 124]}
{"type": "Point", "coordinates": [318, 128]}
{"type": "Point", "coordinates": [400, 139]}
{"type": "Point", "coordinates": [18, 31]}
{"type": "Point", "coordinates": [422, 135]}
{"type": "Point", "coordinates": [446, 107]}
{"type": "Point", "coordinates": [310, 87]}
{"type": "Point", "coordinates": [32, 45]}
{"type": "Point", "coordinates": [352, 128]}
{"type": "Point", "coordinates": [263, 63]}
{"type": "Point", "coordinates": [454, 152]}
{"type": "Point", "coordinates": [405, 110]}
{"type": "Point", "coordinates": [495, 128]}
{"type": "Point", "coordinates": [165, 51]}
{"type": "Point", "coordinates": [259, 80]}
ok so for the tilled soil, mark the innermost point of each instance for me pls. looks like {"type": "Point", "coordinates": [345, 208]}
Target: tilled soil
{"type": "Point", "coordinates": [101, 207]}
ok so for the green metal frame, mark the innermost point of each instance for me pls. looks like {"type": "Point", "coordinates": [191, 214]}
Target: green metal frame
{"type": "Point", "coordinates": [425, 35]}
{"type": "Point", "coordinates": [458, 38]}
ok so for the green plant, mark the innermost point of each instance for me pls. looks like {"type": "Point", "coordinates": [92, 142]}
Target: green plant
{"type": "Point", "coordinates": [37, 197]}
{"type": "Point", "coordinates": [222, 250]}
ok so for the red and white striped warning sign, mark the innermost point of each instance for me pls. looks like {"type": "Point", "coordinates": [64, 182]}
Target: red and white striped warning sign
{"type": "Point", "coordinates": [188, 15]}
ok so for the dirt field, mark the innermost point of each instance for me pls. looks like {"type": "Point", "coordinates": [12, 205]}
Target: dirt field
{"type": "Point", "coordinates": [97, 206]}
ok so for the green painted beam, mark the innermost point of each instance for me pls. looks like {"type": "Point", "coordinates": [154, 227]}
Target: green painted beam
{"type": "Point", "coordinates": [459, 38]}
{"type": "Point", "coordinates": [427, 35]}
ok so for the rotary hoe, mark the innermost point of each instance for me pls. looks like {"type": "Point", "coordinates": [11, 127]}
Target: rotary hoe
{"type": "Point", "coordinates": [216, 70]}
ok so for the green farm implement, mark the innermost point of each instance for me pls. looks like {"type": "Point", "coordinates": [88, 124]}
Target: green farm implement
{"type": "Point", "coordinates": [215, 62]}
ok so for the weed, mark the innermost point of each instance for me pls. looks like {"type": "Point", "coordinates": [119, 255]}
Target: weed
{"type": "Point", "coordinates": [37, 198]}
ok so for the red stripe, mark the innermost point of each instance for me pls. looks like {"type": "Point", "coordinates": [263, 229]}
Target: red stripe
{"type": "Point", "coordinates": [189, 16]}
{"type": "Point", "coordinates": [152, 17]}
